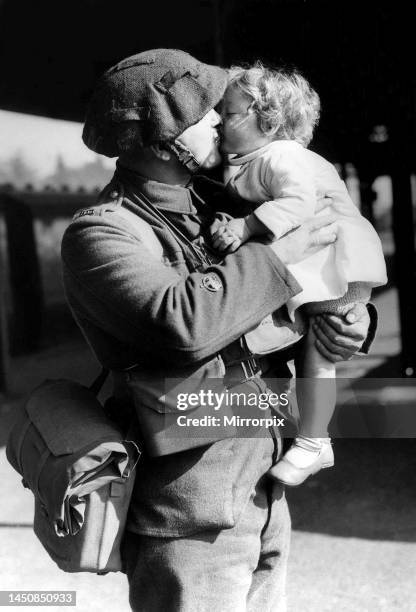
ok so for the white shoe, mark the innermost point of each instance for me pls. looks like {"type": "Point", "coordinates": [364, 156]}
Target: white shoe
{"type": "Point", "coordinates": [303, 459]}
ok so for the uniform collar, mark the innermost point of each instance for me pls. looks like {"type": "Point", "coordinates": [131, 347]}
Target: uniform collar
{"type": "Point", "coordinates": [173, 198]}
{"type": "Point", "coordinates": [239, 160]}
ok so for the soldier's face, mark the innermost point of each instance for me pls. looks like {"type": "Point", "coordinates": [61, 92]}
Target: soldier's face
{"type": "Point", "coordinates": [202, 139]}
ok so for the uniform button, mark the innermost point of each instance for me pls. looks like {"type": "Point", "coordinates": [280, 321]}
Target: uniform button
{"type": "Point", "coordinates": [211, 281]}
{"type": "Point", "coordinates": [114, 194]}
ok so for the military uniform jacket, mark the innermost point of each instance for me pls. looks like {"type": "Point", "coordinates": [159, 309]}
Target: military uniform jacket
{"type": "Point", "coordinates": [147, 304]}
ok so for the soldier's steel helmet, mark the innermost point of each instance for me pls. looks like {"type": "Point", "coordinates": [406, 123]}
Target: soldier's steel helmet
{"type": "Point", "coordinates": [160, 92]}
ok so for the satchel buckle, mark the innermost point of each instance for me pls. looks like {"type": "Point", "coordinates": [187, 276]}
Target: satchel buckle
{"type": "Point", "coordinates": [250, 367]}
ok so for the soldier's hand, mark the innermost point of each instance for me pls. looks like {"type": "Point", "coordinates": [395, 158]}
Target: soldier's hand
{"type": "Point", "coordinates": [301, 242]}
{"type": "Point", "coordinates": [339, 337]}
{"type": "Point", "coordinates": [324, 204]}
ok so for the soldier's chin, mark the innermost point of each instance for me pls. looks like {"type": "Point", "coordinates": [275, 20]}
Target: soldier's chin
{"type": "Point", "coordinates": [225, 148]}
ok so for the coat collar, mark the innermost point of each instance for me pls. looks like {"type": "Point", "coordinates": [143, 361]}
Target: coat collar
{"type": "Point", "coordinates": [172, 198]}
{"type": "Point", "coordinates": [276, 145]}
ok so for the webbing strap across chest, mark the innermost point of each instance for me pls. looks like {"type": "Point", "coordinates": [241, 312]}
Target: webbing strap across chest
{"type": "Point", "coordinates": [195, 254]}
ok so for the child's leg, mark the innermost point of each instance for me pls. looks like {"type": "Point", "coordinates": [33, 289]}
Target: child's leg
{"type": "Point", "coordinates": [316, 395]}
{"type": "Point", "coordinates": [315, 389]}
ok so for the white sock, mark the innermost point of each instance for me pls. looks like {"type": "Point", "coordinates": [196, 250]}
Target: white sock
{"type": "Point", "coordinates": [304, 450]}
{"type": "Point", "coordinates": [311, 443]}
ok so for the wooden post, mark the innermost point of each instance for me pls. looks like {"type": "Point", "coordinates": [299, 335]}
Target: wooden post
{"type": "Point", "coordinates": [4, 340]}
{"type": "Point", "coordinates": [405, 260]}
{"type": "Point", "coordinates": [24, 276]}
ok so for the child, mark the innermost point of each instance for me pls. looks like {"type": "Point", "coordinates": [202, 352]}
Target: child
{"type": "Point", "coordinates": [268, 120]}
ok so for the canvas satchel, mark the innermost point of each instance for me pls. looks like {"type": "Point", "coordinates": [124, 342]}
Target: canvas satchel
{"type": "Point", "coordinates": [81, 471]}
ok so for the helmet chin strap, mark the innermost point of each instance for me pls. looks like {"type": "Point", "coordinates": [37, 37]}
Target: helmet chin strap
{"type": "Point", "coordinates": [185, 156]}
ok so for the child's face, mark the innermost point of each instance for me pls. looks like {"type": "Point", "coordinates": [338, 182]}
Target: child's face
{"type": "Point", "coordinates": [241, 133]}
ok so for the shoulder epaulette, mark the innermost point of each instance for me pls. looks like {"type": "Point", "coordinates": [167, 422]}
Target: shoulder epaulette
{"type": "Point", "coordinates": [109, 199]}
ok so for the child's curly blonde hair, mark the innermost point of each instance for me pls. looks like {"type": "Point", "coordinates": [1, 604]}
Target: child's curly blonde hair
{"type": "Point", "coordinates": [285, 103]}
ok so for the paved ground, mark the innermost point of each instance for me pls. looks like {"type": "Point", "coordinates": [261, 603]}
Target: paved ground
{"type": "Point", "coordinates": [354, 537]}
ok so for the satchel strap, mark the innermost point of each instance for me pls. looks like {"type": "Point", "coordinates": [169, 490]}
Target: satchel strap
{"type": "Point", "coordinates": [195, 254]}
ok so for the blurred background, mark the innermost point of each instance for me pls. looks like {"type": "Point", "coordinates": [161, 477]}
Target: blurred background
{"type": "Point", "coordinates": [360, 58]}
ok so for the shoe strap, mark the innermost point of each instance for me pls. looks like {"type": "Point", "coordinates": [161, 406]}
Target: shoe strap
{"type": "Point", "coordinates": [311, 444]}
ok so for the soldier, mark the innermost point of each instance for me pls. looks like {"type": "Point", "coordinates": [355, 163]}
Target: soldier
{"type": "Point", "coordinates": [207, 529]}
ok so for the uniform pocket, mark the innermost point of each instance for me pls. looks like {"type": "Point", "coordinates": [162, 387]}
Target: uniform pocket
{"type": "Point", "coordinates": [161, 402]}
{"type": "Point", "coordinates": [159, 392]}
{"type": "Point", "coordinates": [275, 332]}
{"type": "Point", "coordinates": [196, 490]}
{"type": "Point", "coordinates": [184, 493]}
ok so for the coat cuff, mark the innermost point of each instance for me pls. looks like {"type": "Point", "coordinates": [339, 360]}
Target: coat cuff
{"type": "Point", "coordinates": [372, 311]}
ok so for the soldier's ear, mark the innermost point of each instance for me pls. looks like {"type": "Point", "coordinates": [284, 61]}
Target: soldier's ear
{"type": "Point", "coordinates": [160, 152]}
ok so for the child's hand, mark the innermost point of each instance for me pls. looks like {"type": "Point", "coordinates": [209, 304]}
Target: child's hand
{"type": "Point", "coordinates": [223, 239]}
{"type": "Point", "coordinates": [229, 236]}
